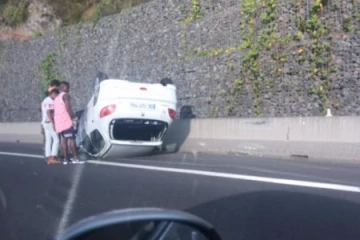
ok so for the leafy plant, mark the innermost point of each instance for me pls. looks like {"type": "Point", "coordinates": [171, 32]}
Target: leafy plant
{"type": "Point", "coordinates": [229, 110]}
{"type": "Point", "coordinates": [337, 105]}
{"type": "Point", "coordinates": [285, 39]}
{"type": "Point", "coordinates": [214, 112]}
{"type": "Point", "coordinates": [271, 83]}
{"type": "Point", "coordinates": [254, 45]}
{"type": "Point", "coordinates": [196, 12]}
{"type": "Point", "coordinates": [347, 26]}
{"type": "Point", "coordinates": [15, 15]}
{"type": "Point", "coordinates": [48, 70]}
{"type": "Point", "coordinates": [37, 34]}
{"type": "Point", "coordinates": [298, 35]}
{"type": "Point", "coordinates": [267, 17]}
{"type": "Point", "coordinates": [316, 7]}
{"type": "Point", "coordinates": [319, 49]}
{"type": "Point", "coordinates": [313, 90]}
{"type": "Point", "coordinates": [213, 52]}
{"type": "Point", "coordinates": [230, 65]}
{"type": "Point", "coordinates": [239, 83]}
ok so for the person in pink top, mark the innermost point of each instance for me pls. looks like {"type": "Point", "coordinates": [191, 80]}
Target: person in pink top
{"type": "Point", "coordinates": [63, 116]}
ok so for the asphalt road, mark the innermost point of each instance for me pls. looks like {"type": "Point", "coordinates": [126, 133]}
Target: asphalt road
{"type": "Point", "coordinates": [243, 197]}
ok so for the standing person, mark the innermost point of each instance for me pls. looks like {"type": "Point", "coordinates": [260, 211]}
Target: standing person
{"type": "Point", "coordinates": [63, 116]}
{"type": "Point", "coordinates": [65, 87]}
{"type": "Point", "coordinates": [51, 137]}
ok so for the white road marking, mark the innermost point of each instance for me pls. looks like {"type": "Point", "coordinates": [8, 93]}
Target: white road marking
{"type": "Point", "coordinates": [298, 183]}
{"type": "Point", "coordinates": [310, 184]}
{"type": "Point", "coordinates": [21, 155]}
{"type": "Point", "coordinates": [69, 202]}
{"type": "Point", "coordinates": [254, 169]}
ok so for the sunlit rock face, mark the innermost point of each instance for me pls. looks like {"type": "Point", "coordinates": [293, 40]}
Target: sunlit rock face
{"type": "Point", "coordinates": [41, 19]}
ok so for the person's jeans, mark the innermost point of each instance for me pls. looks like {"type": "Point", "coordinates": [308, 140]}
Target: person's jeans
{"type": "Point", "coordinates": [77, 140]}
{"type": "Point", "coordinates": [51, 140]}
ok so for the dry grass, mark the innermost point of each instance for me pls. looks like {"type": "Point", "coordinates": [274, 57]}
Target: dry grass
{"type": "Point", "coordinates": [89, 13]}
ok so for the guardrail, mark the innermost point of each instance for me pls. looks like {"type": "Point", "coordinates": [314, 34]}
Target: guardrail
{"type": "Point", "coordinates": [333, 138]}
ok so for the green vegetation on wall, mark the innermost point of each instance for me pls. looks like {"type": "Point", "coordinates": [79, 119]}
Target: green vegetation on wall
{"type": "Point", "coordinates": [37, 34]}
{"type": "Point", "coordinates": [308, 45]}
{"type": "Point", "coordinates": [256, 40]}
{"type": "Point", "coordinates": [213, 52]}
{"type": "Point", "coordinates": [195, 14]}
{"type": "Point", "coordinates": [319, 55]}
{"type": "Point", "coordinates": [48, 70]}
{"type": "Point", "coordinates": [15, 12]}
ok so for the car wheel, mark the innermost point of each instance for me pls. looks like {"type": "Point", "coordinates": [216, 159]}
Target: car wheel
{"type": "Point", "coordinates": [166, 81]}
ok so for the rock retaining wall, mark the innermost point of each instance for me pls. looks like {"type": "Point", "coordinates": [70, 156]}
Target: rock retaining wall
{"type": "Point", "coordinates": [228, 58]}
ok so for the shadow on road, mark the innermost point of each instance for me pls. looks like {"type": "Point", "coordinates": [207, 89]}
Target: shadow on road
{"type": "Point", "coordinates": [282, 216]}
{"type": "Point", "coordinates": [178, 132]}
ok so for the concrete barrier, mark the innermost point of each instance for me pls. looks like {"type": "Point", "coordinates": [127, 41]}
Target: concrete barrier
{"type": "Point", "coordinates": [333, 138]}
{"type": "Point", "coordinates": [26, 132]}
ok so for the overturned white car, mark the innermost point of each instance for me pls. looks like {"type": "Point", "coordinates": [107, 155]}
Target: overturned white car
{"type": "Point", "coordinates": [124, 118]}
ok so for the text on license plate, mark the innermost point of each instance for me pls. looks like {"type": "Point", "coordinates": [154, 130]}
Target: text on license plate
{"type": "Point", "coordinates": [143, 106]}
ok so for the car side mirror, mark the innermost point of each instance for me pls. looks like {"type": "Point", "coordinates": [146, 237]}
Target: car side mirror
{"type": "Point", "coordinates": [142, 224]}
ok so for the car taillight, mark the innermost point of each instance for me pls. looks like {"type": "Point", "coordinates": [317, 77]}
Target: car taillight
{"type": "Point", "coordinates": [172, 113]}
{"type": "Point", "coordinates": [106, 111]}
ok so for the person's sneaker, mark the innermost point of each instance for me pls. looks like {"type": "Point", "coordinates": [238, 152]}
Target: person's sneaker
{"type": "Point", "coordinates": [66, 161]}
{"type": "Point", "coordinates": [77, 161]}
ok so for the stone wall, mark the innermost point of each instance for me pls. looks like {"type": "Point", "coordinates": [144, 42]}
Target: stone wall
{"type": "Point", "coordinates": [289, 70]}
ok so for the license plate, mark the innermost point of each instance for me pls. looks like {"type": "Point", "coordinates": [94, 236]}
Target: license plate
{"type": "Point", "coordinates": [143, 106]}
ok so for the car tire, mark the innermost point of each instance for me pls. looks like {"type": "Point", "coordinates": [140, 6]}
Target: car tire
{"type": "Point", "coordinates": [166, 81]}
